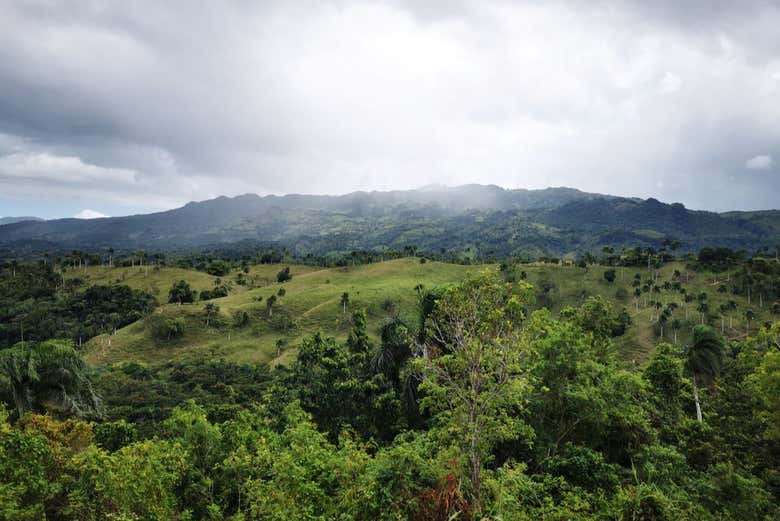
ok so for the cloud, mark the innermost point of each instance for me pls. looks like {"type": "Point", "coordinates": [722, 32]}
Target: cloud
{"type": "Point", "coordinates": [119, 103]}
{"type": "Point", "coordinates": [669, 83]}
{"type": "Point", "coordinates": [760, 162]}
{"type": "Point", "coordinates": [86, 213]}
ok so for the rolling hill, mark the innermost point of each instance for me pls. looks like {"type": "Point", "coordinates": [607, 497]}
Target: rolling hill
{"type": "Point", "coordinates": [312, 303]}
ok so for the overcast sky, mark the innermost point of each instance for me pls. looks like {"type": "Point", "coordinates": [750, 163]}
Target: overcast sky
{"type": "Point", "coordinates": [124, 107]}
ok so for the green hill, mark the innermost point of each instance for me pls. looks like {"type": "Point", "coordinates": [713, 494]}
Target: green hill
{"type": "Point", "coordinates": [312, 302]}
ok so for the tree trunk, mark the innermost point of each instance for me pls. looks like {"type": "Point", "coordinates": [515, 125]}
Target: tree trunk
{"type": "Point", "coordinates": [475, 464]}
{"type": "Point", "coordinates": [696, 399]}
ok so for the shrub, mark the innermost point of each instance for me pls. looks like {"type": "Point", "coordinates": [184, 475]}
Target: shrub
{"type": "Point", "coordinates": [164, 328]}
{"type": "Point", "coordinates": [284, 275]}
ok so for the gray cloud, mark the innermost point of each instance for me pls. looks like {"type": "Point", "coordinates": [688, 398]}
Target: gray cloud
{"type": "Point", "coordinates": [150, 105]}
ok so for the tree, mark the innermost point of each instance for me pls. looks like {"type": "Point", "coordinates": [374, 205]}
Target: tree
{"type": "Point", "coordinates": [51, 376]}
{"type": "Point", "coordinates": [210, 311]}
{"type": "Point", "coordinates": [269, 303]}
{"type": "Point", "coordinates": [609, 275]}
{"type": "Point", "coordinates": [766, 382]}
{"type": "Point", "coordinates": [702, 308]}
{"type": "Point", "coordinates": [704, 358]}
{"type": "Point", "coordinates": [181, 292]}
{"type": "Point", "coordinates": [394, 351]}
{"type": "Point", "coordinates": [344, 301]}
{"type": "Point", "coordinates": [284, 275]}
{"type": "Point", "coordinates": [676, 324]}
{"type": "Point", "coordinates": [240, 318]}
{"type": "Point", "coordinates": [471, 370]}
{"type": "Point", "coordinates": [749, 316]}
{"type": "Point", "coordinates": [280, 343]}
{"type": "Point", "coordinates": [663, 318]}
{"type": "Point", "coordinates": [165, 328]}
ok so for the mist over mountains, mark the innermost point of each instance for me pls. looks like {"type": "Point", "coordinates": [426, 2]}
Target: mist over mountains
{"type": "Point", "coordinates": [483, 219]}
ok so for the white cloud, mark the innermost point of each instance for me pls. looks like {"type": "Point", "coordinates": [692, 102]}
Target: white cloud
{"type": "Point", "coordinates": [86, 213]}
{"type": "Point", "coordinates": [669, 83]}
{"type": "Point", "coordinates": [121, 103]}
{"type": "Point", "coordinates": [760, 162]}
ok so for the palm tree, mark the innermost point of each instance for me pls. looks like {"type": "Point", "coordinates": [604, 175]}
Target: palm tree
{"type": "Point", "coordinates": [270, 305]}
{"type": "Point", "coordinates": [749, 315]}
{"type": "Point", "coordinates": [702, 308]}
{"type": "Point", "coordinates": [210, 310]}
{"type": "Point", "coordinates": [344, 301]}
{"type": "Point", "coordinates": [49, 376]}
{"type": "Point", "coordinates": [395, 349]}
{"type": "Point", "coordinates": [704, 359]}
{"type": "Point", "coordinates": [676, 324]}
{"type": "Point", "coordinates": [663, 318]}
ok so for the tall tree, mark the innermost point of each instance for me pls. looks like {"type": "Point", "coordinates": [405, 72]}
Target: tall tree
{"type": "Point", "coordinates": [705, 355]}
{"type": "Point", "coordinates": [471, 368]}
{"type": "Point", "coordinates": [269, 303]}
{"type": "Point", "coordinates": [49, 376]}
{"type": "Point", "coordinates": [344, 301]}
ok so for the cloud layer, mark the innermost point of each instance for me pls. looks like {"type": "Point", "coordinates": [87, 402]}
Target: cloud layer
{"type": "Point", "coordinates": [146, 105]}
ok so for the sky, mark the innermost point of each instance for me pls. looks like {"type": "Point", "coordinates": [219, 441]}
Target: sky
{"type": "Point", "coordinates": [116, 107]}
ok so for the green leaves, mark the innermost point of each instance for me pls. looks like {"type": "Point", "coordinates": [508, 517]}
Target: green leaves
{"type": "Point", "coordinates": [49, 376]}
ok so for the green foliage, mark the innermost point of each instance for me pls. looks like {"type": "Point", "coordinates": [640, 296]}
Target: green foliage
{"type": "Point", "coordinates": [473, 380]}
{"type": "Point", "coordinates": [484, 409]}
{"type": "Point", "coordinates": [339, 387]}
{"type": "Point", "coordinates": [112, 436]}
{"type": "Point", "coordinates": [766, 383]}
{"type": "Point", "coordinates": [165, 328]}
{"type": "Point", "coordinates": [181, 292]}
{"type": "Point", "coordinates": [284, 275]}
{"type": "Point", "coordinates": [218, 268]}
{"type": "Point", "coordinates": [240, 318]}
{"type": "Point", "coordinates": [49, 376]}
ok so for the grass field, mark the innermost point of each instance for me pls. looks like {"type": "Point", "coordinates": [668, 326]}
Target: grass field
{"type": "Point", "coordinates": [158, 280]}
{"type": "Point", "coordinates": [312, 303]}
{"type": "Point", "coordinates": [575, 284]}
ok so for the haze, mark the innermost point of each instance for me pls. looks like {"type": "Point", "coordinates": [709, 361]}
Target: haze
{"type": "Point", "coordinates": [110, 108]}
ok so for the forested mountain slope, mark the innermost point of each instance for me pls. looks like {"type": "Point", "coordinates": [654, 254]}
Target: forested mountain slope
{"type": "Point", "coordinates": [483, 220]}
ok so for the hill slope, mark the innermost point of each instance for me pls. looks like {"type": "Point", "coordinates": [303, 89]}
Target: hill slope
{"type": "Point", "coordinates": [312, 302]}
{"type": "Point", "coordinates": [484, 220]}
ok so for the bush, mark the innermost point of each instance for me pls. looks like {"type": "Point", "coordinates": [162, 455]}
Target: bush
{"type": "Point", "coordinates": [181, 292]}
{"type": "Point", "coordinates": [284, 275]}
{"type": "Point", "coordinates": [218, 292]}
{"type": "Point", "coordinates": [164, 328]}
{"type": "Point", "coordinates": [112, 436]}
{"type": "Point", "coordinates": [218, 268]}
{"type": "Point", "coordinates": [609, 275]}
{"type": "Point", "coordinates": [240, 318]}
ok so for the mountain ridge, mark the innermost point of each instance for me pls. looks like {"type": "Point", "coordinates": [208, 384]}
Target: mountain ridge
{"type": "Point", "coordinates": [487, 218]}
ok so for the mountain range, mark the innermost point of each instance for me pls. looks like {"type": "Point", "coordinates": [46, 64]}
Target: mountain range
{"type": "Point", "coordinates": [11, 220]}
{"type": "Point", "coordinates": [479, 219]}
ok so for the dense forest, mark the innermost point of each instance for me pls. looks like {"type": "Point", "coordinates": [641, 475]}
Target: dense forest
{"type": "Point", "coordinates": [490, 393]}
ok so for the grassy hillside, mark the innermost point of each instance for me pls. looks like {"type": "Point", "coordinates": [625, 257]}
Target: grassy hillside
{"type": "Point", "coordinates": [573, 285]}
{"type": "Point", "coordinates": [312, 303]}
{"type": "Point", "coordinates": [158, 280]}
